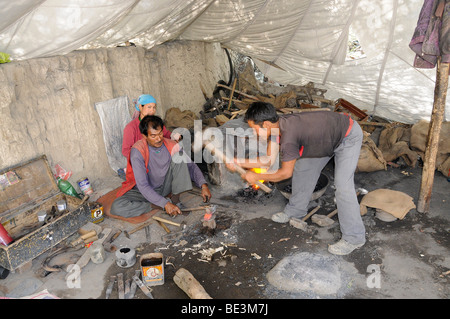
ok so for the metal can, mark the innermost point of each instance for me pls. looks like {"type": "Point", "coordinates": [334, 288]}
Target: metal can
{"type": "Point", "coordinates": [61, 204]}
{"type": "Point", "coordinates": [97, 214]}
{"type": "Point", "coordinates": [152, 269]}
{"type": "Point", "coordinates": [85, 186]}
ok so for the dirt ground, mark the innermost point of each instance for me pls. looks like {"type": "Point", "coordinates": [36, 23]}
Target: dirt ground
{"type": "Point", "coordinates": [232, 263]}
{"type": "Point", "coordinates": [411, 255]}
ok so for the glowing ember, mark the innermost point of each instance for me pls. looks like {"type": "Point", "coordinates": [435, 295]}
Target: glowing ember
{"type": "Point", "coordinates": [258, 171]}
{"type": "Point", "coordinates": [207, 216]}
{"type": "Point", "coordinates": [209, 212]}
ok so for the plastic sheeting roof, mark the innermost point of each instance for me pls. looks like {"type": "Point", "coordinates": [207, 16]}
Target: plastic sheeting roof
{"type": "Point", "coordinates": [305, 40]}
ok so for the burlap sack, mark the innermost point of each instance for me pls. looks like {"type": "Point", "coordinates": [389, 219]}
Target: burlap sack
{"type": "Point", "coordinates": [177, 118]}
{"type": "Point", "coordinates": [394, 143]}
{"type": "Point", "coordinates": [279, 101]}
{"type": "Point", "coordinates": [418, 142]}
{"type": "Point", "coordinates": [370, 157]}
{"type": "Point", "coordinates": [396, 203]}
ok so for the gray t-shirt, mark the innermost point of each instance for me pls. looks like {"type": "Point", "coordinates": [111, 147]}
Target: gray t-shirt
{"type": "Point", "coordinates": [311, 134]}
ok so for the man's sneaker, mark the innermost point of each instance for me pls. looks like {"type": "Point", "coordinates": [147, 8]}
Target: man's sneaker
{"type": "Point", "coordinates": [280, 217]}
{"type": "Point", "coordinates": [343, 247]}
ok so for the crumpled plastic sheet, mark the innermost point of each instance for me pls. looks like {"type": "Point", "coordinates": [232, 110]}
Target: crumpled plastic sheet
{"type": "Point", "coordinates": [114, 116]}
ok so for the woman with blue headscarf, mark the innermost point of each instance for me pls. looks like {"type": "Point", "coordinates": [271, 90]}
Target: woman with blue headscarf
{"type": "Point", "coordinates": [146, 105]}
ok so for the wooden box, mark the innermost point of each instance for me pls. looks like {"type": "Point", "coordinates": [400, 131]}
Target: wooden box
{"type": "Point", "coordinates": [26, 190]}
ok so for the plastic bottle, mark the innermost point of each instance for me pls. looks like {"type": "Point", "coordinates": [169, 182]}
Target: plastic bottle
{"type": "Point", "coordinates": [67, 188]}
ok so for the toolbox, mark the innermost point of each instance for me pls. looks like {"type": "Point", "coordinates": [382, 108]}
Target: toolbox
{"type": "Point", "coordinates": [28, 192]}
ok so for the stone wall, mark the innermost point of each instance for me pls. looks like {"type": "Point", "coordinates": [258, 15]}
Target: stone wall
{"type": "Point", "coordinates": [47, 104]}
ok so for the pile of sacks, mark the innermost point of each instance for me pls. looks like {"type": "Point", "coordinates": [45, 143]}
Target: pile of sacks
{"type": "Point", "coordinates": [406, 142]}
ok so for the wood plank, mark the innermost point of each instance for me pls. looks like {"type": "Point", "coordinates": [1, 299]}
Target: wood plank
{"type": "Point", "coordinates": [437, 116]}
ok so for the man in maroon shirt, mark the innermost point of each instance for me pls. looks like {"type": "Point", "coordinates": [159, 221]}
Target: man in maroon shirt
{"type": "Point", "coordinates": [307, 142]}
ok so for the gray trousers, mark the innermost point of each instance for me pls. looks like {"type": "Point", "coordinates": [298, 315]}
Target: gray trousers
{"type": "Point", "coordinates": [133, 203]}
{"type": "Point", "coordinates": [307, 172]}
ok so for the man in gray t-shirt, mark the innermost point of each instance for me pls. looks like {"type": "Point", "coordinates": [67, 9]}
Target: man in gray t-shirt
{"type": "Point", "coordinates": [307, 142]}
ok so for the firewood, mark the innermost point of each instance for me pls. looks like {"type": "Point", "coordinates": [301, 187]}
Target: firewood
{"type": "Point", "coordinates": [187, 282]}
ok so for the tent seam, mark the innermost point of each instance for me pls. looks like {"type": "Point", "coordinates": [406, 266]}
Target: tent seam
{"type": "Point", "coordinates": [177, 14]}
{"type": "Point", "coordinates": [339, 42]}
{"type": "Point", "coordinates": [295, 31]}
{"type": "Point", "coordinates": [386, 55]}
{"type": "Point", "coordinates": [248, 24]}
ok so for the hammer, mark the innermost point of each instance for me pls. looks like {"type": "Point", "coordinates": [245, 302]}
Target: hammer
{"type": "Point", "coordinates": [301, 223]}
{"type": "Point", "coordinates": [127, 234]}
{"type": "Point", "coordinates": [325, 221]}
{"type": "Point", "coordinates": [182, 225]}
{"type": "Point", "coordinates": [107, 244]}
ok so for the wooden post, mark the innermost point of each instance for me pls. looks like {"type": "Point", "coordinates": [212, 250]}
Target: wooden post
{"type": "Point", "coordinates": [437, 116]}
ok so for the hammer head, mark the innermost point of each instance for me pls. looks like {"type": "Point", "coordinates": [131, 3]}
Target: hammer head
{"type": "Point", "coordinates": [109, 247]}
{"type": "Point", "coordinates": [298, 223]}
{"type": "Point", "coordinates": [322, 220]}
{"type": "Point", "coordinates": [362, 191]}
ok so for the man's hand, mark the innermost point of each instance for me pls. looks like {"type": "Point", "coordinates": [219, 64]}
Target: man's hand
{"type": "Point", "coordinates": [251, 177]}
{"type": "Point", "coordinates": [172, 209]}
{"type": "Point", "coordinates": [231, 167]}
{"type": "Point", "coordinates": [175, 136]}
{"type": "Point", "coordinates": [206, 194]}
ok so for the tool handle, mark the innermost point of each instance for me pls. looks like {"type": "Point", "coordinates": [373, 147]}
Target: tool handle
{"type": "Point", "coordinates": [139, 228]}
{"type": "Point", "coordinates": [164, 226]}
{"type": "Point", "coordinates": [90, 239]}
{"type": "Point", "coordinates": [88, 234]}
{"type": "Point", "coordinates": [239, 169]}
{"type": "Point", "coordinates": [311, 213]}
{"type": "Point", "coordinates": [195, 208]}
{"type": "Point", "coordinates": [114, 237]}
{"type": "Point", "coordinates": [334, 212]}
{"type": "Point", "coordinates": [166, 221]}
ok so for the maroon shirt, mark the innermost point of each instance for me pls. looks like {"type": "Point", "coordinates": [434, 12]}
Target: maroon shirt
{"type": "Point", "coordinates": [132, 134]}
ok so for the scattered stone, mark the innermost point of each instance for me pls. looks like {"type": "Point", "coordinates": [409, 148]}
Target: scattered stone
{"type": "Point", "coordinates": [307, 272]}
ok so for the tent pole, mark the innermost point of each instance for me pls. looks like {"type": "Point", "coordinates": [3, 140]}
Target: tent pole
{"type": "Point", "coordinates": [437, 116]}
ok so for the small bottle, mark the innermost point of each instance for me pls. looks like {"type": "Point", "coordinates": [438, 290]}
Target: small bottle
{"type": "Point", "coordinates": [97, 253]}
{"type": "Point", "coordinates": [67, 188]}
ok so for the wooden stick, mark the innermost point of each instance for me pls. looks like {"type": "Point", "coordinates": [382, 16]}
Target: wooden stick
{"type": "Point", "coordinates": [163, 226]}
{"type": "Point", "coordinates": [195, 208]}
{"type": "Point", "coordinates": [232, 92]}
{"type": "Point", "coordinates": [437, 116]}
{"type": "Point", "coordinates": [139, 227]}
{"type": "Point", "coordinates": [312, 212]}
{"type": "Point", "coordinates": [241, 93]}
{"type": "Point", "coordinates": [166, 221]}
{"type": "Point", "coordinates": [288, 110]}
{"type": "Point", "coordinates": [187, 282]}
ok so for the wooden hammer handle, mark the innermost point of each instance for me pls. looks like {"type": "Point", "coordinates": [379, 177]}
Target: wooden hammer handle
{"type": "Point", "coordinates": [139, 227]}
{"type": "Point", "coordinates": [239, 169]}
{"type": "Point", "coordinates": [166, 221]}
{"type": "Point", "coordinates": [334, 212]}
{"type": "Point", "coordinates": [312, 212]}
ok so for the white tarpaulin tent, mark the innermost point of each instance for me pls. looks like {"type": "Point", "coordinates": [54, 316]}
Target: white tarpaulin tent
{"type": "Point", "coordinates": [304, 40]}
